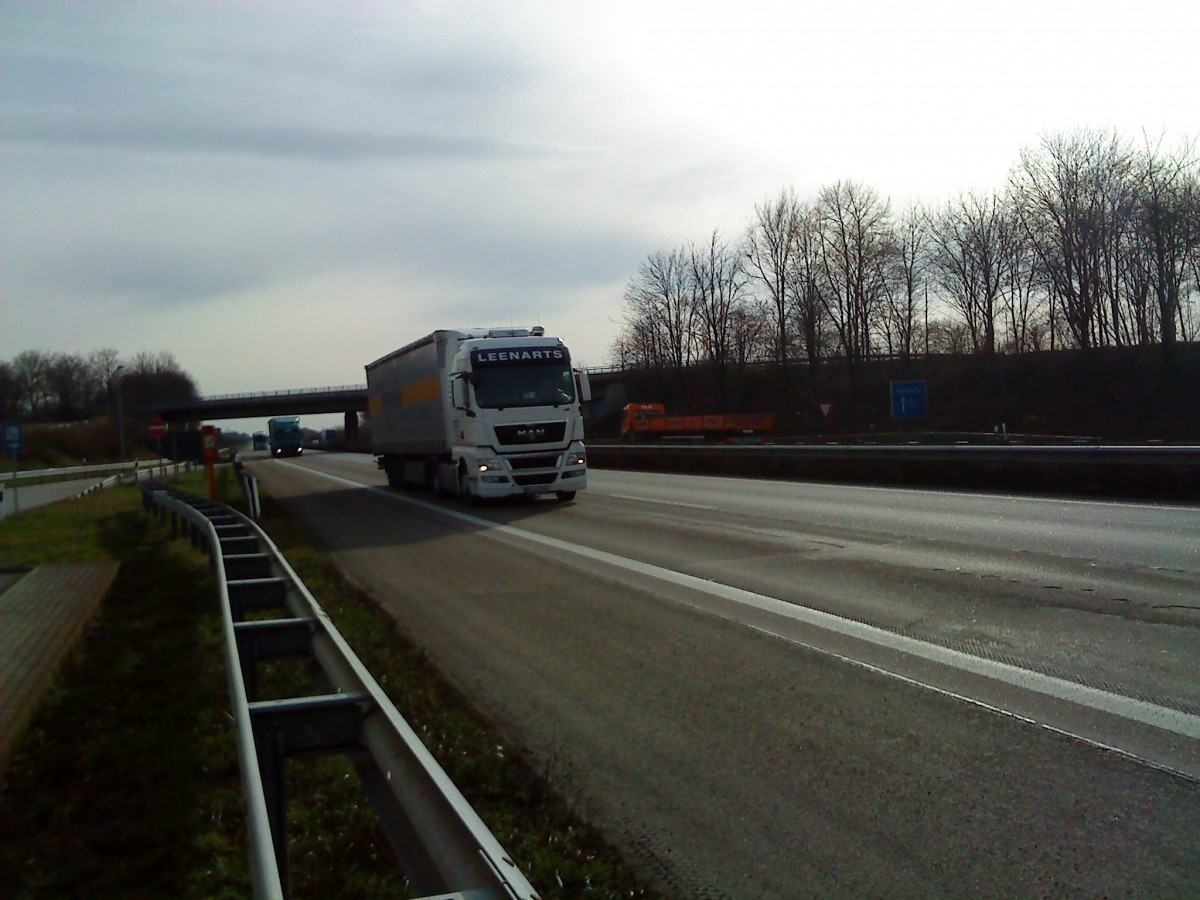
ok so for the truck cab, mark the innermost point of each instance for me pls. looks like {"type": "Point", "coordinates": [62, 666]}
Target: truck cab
{"type": "Point", "coordinates": [516, 410]}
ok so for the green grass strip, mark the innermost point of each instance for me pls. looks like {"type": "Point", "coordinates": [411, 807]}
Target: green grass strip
{"type": "Point", "coordinates": [127, 783]}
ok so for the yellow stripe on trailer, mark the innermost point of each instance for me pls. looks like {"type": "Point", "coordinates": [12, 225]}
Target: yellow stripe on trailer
{"type": "Point", "coordinates": [421, 392]}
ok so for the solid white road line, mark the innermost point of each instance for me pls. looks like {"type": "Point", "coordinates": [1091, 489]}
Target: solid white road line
{"type": "Point", "coordinates": [1130, 708]}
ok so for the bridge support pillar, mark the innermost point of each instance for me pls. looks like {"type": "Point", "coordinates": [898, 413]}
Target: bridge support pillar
{"type": "Point", "coordinates": [351, 426]}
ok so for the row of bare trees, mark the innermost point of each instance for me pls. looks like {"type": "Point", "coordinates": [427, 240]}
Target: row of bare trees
{"type": "Point", "coordinates": [1092, 243]}
{"type": "Point", "coordinates": [42, 386]}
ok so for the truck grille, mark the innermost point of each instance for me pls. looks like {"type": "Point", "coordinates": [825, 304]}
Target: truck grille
{"type": "Point", "coordinates": [538, 461]}
{"type": "Point", "coordinates": [531, 433]}
{"type": "Point", "coordinates": [540, 478]}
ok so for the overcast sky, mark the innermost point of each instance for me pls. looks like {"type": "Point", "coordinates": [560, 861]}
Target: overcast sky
{"type": "Point", "coordinates": [280, 192]}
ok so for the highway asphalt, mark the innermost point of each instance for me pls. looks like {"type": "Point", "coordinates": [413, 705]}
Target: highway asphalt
{"type": "Point", "coordinates": [731, 761]}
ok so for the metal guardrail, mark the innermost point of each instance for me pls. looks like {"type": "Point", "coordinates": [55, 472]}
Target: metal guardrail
{"type": "Point", "coordinates": [68, 471]}
{"type": "Point", "coordinates": [249, 488]}
{"type": "Point", "coordinates": [441, 843]}
{"type": "Point", "coordinates": [1148, 470]}
{"type": "Point", "coordinates": [162, 470]}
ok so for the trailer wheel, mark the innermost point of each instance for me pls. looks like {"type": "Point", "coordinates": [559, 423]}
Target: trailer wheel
{"type": "Point", "coordinates": [564, 496]}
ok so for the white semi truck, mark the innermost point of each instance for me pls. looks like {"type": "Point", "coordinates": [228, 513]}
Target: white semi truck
{"type": "Point", "coordinates": [480, 412]}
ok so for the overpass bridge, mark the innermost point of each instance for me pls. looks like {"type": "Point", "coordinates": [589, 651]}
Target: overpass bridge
{"type": "Point", "coordinates": [349, 400]}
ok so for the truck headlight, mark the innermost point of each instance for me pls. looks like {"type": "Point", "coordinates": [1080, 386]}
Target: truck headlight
{"type": "Point", "coordinates": [490, 464]}
{"type": "Point", "coordinates": [576, 458]}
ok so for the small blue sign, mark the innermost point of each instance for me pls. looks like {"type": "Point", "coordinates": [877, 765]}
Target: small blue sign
{"type": "Point", "coordinates": [908, 399]}
{"type": "Point", "coordinates": [14, 437]}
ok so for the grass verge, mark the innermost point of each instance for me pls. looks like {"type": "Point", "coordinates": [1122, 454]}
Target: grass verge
{"type": "Point", "coordinates": [127, 783]}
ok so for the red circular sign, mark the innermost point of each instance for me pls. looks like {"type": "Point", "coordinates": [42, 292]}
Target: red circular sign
{"type": "Point", "coordinates": [158, 428]}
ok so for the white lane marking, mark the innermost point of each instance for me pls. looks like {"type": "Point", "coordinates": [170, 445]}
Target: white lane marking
{"type": "Point", "coordinates": [1130, 708]}
{"type": "Point", "coordinates": [661, 502]}
{"type": "Point", "coordinates": [968, 495]}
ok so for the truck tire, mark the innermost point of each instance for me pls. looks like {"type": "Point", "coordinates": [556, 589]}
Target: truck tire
{"type": "Point", "coordinates": [564, 496]}
{"type": "Point", "coordinates": [464, 489]}
{"type": "Point", "coordinates": [435, 481]}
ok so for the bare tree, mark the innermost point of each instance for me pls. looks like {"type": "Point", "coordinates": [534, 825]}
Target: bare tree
{"type": "Point", "coordinates": [659, 308]}
{"type": "Point", "coordinates": [1074, 195]}
{"type": "Point", "coordinates": [634, 347]}
{"type": "Point", "coordinates": [804, 286]}
{"type": "Point", "coordinates": [70, 387]}
{"type": "Point", "coordinates": [154, 377]}
{"type": "Point", "coordinates": [903, 281]}
{"type": "Point", "coordinates": [102, 362]}
{"type": "Point", "coordinates": [770, 249]}
{"type": "Point", "coordinates": [718, 283]}
{"type": "Point", "coordinates": [100, 366]}
{"type": "Point", "coordinates": [855, 240]}
{"type": "Point", "coordinates": [969, 261]}
{"type": "Point", "coordinates": [751, 333]}
{"type": "Point", "coordinates": [31, 382]}
{"type": "Point", "coordinates": [10, 406]}
{"type": "Point", "coordinates": [948, 336]}
{"type": "Point", "coordinates": [1167, 230]}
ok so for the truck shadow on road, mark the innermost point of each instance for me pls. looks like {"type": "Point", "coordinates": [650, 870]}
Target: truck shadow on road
{"type": "Point", "coordinates": [346, 519]}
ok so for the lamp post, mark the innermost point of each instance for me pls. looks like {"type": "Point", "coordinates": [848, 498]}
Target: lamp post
{"type": "Point", "coordinates": [120, 413]}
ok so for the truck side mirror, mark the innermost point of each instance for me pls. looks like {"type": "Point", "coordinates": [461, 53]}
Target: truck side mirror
{"type": "Point", "coordinates": [459, 388]}
{"type": "Point", "coordinates": [585, 386]}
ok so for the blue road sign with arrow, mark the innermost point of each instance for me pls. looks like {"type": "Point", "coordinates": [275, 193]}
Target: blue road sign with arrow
{"type": "Point", "coordinates": [14, 437]}
{"type": "Point", "coordinates": [908, 399]}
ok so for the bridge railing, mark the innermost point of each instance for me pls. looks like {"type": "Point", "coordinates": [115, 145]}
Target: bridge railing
{"type": "Point", "coordinates": [258, 395]}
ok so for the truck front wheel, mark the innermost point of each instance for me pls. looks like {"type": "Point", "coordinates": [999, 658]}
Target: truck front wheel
{"type": "Point", "coordinates": [464, 488]}
{"type": "Point", "coordinates": [564, 496]}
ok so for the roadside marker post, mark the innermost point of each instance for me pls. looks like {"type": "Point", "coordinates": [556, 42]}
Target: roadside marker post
{"type": "Point", "coordinates": [208, 447]}
{"type": "Point", "coordinates": [157, 429]}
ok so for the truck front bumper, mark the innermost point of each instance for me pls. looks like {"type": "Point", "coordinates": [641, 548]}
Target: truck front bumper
{"type": "Point", "coordinates": [529, 483]}
{"type": "Point", "coordinates": [529, 474]}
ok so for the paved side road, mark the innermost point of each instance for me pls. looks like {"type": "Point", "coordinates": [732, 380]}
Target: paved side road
{"type": "Point", "coordinates": [34, 495]}
{"type": "Point", "coordinates": [42, 615]}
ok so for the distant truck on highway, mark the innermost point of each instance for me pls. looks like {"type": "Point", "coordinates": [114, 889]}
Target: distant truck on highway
{"type": "Point", "coordinates": [285, 436]}
{"type": "Point", "coordinates": [260, 440]}
{"type": "Point", "coordinates": [647, 422]}
{"type": "Point", "coordinates": [480, 412]}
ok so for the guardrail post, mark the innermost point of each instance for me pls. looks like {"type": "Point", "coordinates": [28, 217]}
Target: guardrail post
{"type": "Point", "coordinates": [307, 726]}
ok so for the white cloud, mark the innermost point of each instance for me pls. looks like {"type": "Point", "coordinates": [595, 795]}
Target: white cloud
{"type": "Point", "coordinates": [207, 177]}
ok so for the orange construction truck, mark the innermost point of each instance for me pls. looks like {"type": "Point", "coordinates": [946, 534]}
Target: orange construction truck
{"type": "Point", "coordinates": [645, 422]}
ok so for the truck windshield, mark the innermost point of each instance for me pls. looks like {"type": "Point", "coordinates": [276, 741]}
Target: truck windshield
{"type": "Point", "coordinates": [524, 385]}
